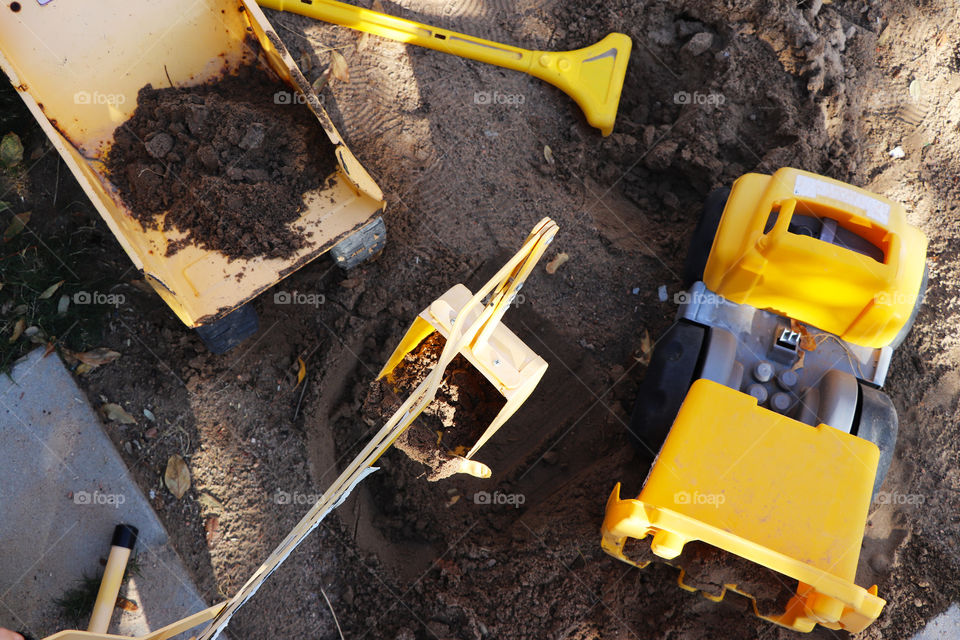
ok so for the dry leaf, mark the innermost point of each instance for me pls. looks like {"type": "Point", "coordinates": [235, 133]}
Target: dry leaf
{"type": "Point", "coordinates": [83, 368]}
{"type": "Point", "coordinates": [211, 503]}
{"type": "Point", "coordinates": [338, 66]}
{"type": "Point", "coordinates": [363, 41]}
{"type": "Point", "coordinates": [127, 605]}
{"type": "Point", "coordinates": [177, 476]}
{"type": "Point", "coordinates": [49, 291]}
{"type": "Point", "coordinates": [301, 373]}
{"type": "Point", "coordinates": [18, 330]}
{"type": "Point", "coordinates": [807, 342]}
{"type": "Point", "coordinates": [322, 81]}
{"type": "Point", "coordinates": [212, 527]}
{"type": "Point", "coordinates": [646, 349]}
{"type": "Point", "coordinates": [115, 413]}
{"type": "Point", "coordinates": [18, 224]}
{"type": "Point", "coordinates": [305, 63]}
{"type": "Point", "coordinates": [11, 149]}
{"type": "Point", "coordinates": [915, 89]}
{"type": "Point", "coordinates": [96, 357]}
{"type": "Point", "coordinates": [377, 6]}
{"type": "Point", "coordinates": [799, 363]}
{"type": "Point", "coordinates": [548, 154]}
{"type": "Point", "coordinates": [554, 264]}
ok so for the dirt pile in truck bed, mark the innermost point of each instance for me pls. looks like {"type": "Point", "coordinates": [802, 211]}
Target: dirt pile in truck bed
{"type": "Point", "coordinates": [227, 164]}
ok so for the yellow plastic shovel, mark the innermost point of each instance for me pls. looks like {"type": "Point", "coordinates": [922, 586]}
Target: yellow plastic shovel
{"type": "Point", "coordinates": [592, 76]}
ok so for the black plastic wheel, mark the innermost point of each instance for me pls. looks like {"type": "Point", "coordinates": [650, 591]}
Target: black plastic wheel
{"type": "Point", "coordinates": [905, 331]}
{"type": "Point", "coordinates": [224, 334]}
{"type": "Point", "coordinates": [877, 422]}
{"type": "Point", "coordinates": [672, 368]}
{"type": "Point", "coordinates": [360, 246]}
{"type": "Point", "coordinates": [703, 235]}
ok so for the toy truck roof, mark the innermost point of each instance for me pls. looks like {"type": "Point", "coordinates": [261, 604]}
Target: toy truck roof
{"type": "Point", "coordinates": [820, 251]}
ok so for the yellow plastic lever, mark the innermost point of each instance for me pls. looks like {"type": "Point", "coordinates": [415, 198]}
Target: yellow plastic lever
{"type": "Point", "coordinates": [592, 76]}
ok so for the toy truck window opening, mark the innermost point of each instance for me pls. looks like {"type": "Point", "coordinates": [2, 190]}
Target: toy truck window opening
{"type": "Point", "coordinates": [829, 230]}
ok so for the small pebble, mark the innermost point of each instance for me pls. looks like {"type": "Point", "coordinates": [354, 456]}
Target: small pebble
{"type": "Point", "coordinates": [698, 44]}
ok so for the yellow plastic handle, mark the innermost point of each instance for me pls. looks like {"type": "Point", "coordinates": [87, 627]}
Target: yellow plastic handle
{"type": "Point", "coordinates": [403, 30]}
{"type": "Point", "coordinates": [592, 76]}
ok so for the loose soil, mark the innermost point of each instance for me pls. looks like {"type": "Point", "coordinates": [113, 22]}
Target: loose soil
{"type": "Point", "coordinates": [820, 86]}
{"type": "Point", "coordinates": [464, 406]}
{"type": "Point", "coordinates": [223, 163]}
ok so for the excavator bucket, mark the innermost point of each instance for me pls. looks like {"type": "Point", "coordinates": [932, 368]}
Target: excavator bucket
{"type": "Point", "coordinates": [783, 495]}
{"type": "Point", "coordinates": [79, 66]}
{"type": "Point", "coordinates": [489, 346]}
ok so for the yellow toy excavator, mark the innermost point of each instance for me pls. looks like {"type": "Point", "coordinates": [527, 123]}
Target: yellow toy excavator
{"type": "Point", "coordinates": [761, 409]}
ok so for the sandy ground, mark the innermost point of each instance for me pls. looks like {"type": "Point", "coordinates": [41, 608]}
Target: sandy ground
{"type": "Point", "coordinates": [823, 87]}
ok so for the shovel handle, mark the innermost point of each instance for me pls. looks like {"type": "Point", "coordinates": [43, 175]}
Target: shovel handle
{"type": "Point", "coordinates": [592, 76]}
{"type": "Point", "coordinates": [403, 30]}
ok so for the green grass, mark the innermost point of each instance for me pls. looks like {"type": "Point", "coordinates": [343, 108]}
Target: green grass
{"type": "Point", "coordinates": [77, 602]}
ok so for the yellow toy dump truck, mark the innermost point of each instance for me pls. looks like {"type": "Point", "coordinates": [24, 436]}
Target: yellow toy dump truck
{"type": "Point", "coordinates": [79, 67]}
{"type": "Point", "coordinates": [761, 409]}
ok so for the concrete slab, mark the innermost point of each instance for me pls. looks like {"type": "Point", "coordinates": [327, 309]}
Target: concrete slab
{"type": "Point", "coordinates": [52, 446]}
{"type": "Point", "coordinates": [946, 626]}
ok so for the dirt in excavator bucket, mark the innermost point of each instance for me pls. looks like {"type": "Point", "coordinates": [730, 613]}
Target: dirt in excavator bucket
{"type": "Point", "coordinates": [224, 161]}
{"type": "Point", "coordinates": [465, 404]}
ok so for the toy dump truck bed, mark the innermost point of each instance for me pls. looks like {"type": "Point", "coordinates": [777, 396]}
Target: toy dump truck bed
{"type": "Point", "coordinates": [79, 66]}
{"type": "Point", "coordinates": [775, 491]}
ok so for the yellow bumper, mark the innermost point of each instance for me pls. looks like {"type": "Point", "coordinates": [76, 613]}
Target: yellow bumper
{"type": "Point", "coordinates": [777, 492]}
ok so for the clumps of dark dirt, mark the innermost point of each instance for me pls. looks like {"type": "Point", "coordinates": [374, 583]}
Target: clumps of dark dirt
{"type": "Point", "coordinates": [464, 406]}
{"type": "Point", "coordinates": [223, 163]}
{"type": "Point", "coordinates": [711, 570]}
